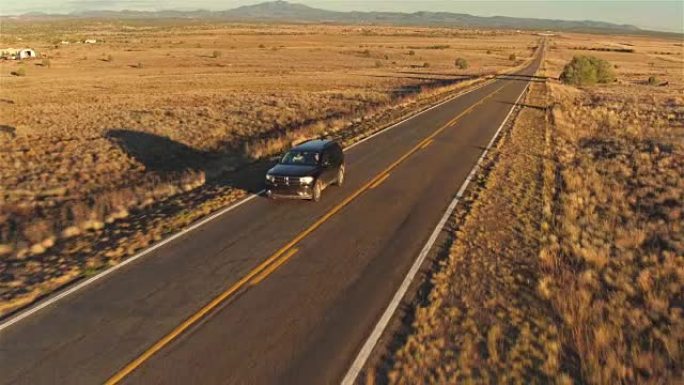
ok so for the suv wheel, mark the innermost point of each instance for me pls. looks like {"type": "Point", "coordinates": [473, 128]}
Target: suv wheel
{"type": "Point", "coordinates": [316, 193]}
{"type": "Point", "coordinates": [340, 176]}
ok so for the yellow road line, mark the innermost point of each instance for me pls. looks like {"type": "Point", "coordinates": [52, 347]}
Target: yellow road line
{"type": "Point", "coordinates": [126, 370]}
{"type": "Point", "coordinates": [272, 267]}
{"type": "Point", "coordinates": [379, 181]}
{"type": "Point", "coordinates": [426, 144]}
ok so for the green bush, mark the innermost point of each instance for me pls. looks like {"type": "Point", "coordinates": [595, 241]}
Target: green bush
{"type": "Point", "coordinates": [512, 57]}
{"type": "Point", "coordinates": [587, 70]}
{"type": "Point", "coordinates": [461, 63]}
{"type": "Point", "coordinates": [652, 80]}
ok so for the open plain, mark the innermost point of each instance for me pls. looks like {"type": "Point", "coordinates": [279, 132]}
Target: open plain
{"type": "Point", "coordinates": [562, 263]}
{"type": "Point", "coordinates": [108, 147]}
{"type": "Point", "coordinates": [568, 268]}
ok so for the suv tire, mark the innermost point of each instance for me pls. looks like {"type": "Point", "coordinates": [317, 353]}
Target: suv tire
{"type": "Point", "coordinates": [340, 176]}
{"type": "Point", "coordinates": [316, 193]}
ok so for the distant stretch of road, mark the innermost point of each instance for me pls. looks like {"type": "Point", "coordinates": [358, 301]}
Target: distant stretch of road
{"type": "Point", "coordinates": [271, 292]}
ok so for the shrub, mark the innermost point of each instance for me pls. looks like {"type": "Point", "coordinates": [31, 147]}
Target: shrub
{"type": "Point", "coordinates": [262, 46]}
{"type": "Point", "coordinates": [652, 80]}
{"type": "Point", "coordinates": [110, 58]}
{"type": "Point", "coordinates": [489, 52]}
{"type": "Point", "coordinates": [587, 70]}
{"type": "Point", "coordinates": [19, 72]}
{"type": "Point", "coordinates": [140, 65]}
{"type": "Point", "coordinates": [461, 63]}
{"type": "Point", "coordinates": [411, 52]}
{"type": "Point", "coordinates": [512, 57]}
{"type": "Point", "coordinates": [216, 54]}
{"type": "Point", "coordinates": [46, 63]}
{"type": "Point", "coordinates": [426, 65]}
{"type": "Point", "coordinates": [378, 64]}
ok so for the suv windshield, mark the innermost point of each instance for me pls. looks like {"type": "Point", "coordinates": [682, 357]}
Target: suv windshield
{"type": "Point", "coordinates": [302, 158]}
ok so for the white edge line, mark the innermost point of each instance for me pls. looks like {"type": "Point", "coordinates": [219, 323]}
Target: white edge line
{"type": "Point", "coordinates": [449, 99]}
{"type": "Point", "coordinates": [372, 340]}
{"type": "Point", "coordinates": [51, 299]}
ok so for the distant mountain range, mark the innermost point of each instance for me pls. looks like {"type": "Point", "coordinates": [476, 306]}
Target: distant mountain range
{"type": "Point", "coordinates": [283, 11]}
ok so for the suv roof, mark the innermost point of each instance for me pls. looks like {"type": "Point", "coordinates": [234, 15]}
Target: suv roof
{"type": "Point", "coordinates": [313, 145]}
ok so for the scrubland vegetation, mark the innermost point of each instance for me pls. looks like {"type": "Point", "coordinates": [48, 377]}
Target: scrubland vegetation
{"type": "Point", "coordinates": [121, 142]}
{"type": "Point", "coordinates": [568, 268]}
{"type": "Point", "coordinates": [587, 70]}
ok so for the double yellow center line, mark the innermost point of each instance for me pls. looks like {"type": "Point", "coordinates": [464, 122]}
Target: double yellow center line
{"type": "Point", "coordinates": [272, 263]}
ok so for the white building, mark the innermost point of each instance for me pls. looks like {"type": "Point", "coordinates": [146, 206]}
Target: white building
{"type": "Point", "coordinates": [90, 41]}
{"type": "Point", "coordinates": [18, 53]}
{"type": "Point", "coordinates": [27, 53]}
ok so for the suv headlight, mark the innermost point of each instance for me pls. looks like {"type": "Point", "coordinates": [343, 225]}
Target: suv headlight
{"type": "Point", "coordinates": [270, 178]}
{"type": "Point", "coordinates": [306, 180]}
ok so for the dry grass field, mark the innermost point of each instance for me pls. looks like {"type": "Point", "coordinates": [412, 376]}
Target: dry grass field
{"type": "Point", "coordinates": [107, 147]}
{"type": "Point", "coordinates": [569, 267]}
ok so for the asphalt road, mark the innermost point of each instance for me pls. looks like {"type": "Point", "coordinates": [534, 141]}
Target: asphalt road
{"type": "Point", "coordinates": [305, 321]}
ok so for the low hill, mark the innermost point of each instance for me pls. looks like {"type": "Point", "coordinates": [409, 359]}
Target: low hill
{"type": "Point", "coordinates": [283, 11]}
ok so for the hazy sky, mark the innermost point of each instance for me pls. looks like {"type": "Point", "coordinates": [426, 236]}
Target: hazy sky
{"type": "Point", "coordinates": [658, 15]}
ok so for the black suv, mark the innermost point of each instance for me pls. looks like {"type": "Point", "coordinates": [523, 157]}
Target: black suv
{"type": "Point", "coordinates": [304, 171]}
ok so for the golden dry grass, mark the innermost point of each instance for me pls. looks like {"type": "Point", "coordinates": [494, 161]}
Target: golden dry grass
{"type": "Point", "coordinates": [569, 267]}
{"type": "Point", "coordinates": [121, 142]}
{"type": "Point", "coordinates": [484, 322]}
{"type": "Point", "coordinates": [613, 266]}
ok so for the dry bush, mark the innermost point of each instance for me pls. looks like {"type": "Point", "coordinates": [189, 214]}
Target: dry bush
{"type": "Point", "coordinates": [21, 71]}
{"type": "Point", "coordinates": [461, 63]}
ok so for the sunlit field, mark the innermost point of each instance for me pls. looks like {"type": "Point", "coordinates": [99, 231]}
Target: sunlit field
{"type": "Point", "coordinates": [568, 266]}
{"type": "Point", "coordinates": [108, 147]}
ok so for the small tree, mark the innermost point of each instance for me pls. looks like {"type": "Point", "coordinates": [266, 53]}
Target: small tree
{"type": "Point", "coordinates": [216, 54]}
{"type": "Point", "coordinates": [426, 65]}
{"type": "Point", "coordinates": [110, 58]}
{"type": "Point", "coordinates": [378, 64]}
{"type": "Point", "coordinates": [411, 52]}
{"type": "Point", "coordinates": [461, 63]}
{"type": "Point", "coordinates": [652, 80]}
{"type": "Point", "coordinates": [587, 70]}
{"type": "Point", "coordinates": [512, 57]}
{"type": "Point", "coordinates": [46, 63]}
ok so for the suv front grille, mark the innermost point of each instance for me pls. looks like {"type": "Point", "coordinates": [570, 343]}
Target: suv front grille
{"type": "Point", "coordinates": [286, 180]}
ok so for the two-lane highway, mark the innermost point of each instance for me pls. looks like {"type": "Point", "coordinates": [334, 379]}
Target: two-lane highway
{"type": "Point", "coordinates": [271, 292]}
